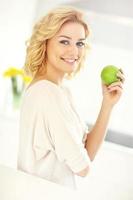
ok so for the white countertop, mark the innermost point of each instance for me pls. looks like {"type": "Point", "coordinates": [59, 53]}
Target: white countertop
{"type": "Point", "coordinates": [17, 185]}
{"type": "Point", "coordinates": [111, 176]}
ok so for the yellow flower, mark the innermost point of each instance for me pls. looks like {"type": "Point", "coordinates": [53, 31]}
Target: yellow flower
{"type": "Point", "coordinates": [13, 74]}
{"type": "Point", "coordinates": [26, 79]}
{"type": "Point", "coordinates": [19, 80]}
{"type": "Point", "coordinates": [12, 71]}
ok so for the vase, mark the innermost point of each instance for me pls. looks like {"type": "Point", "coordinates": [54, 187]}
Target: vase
{"type": "Point", "coordinates": [16, 100]}
{"type": "Point", "coordinates": [17, 90]}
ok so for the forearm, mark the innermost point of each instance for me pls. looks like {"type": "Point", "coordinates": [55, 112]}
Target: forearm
{"type": "Point", "coordinates": [98, 132]}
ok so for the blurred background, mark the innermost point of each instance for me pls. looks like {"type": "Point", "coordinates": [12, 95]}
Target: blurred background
{"type": "Point", "coordinates": [111, 22]}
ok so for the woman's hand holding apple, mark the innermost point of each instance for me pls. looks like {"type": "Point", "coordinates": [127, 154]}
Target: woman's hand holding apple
{"type": "Point", "coordinates": [112, 91]}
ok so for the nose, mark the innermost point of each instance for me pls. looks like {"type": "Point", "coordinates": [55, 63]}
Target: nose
{"type": "Point", "coordinates": [73, 51]}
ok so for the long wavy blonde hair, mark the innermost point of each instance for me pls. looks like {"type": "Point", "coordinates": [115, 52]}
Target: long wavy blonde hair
{"type": "Point", "coordinates": [45, 29]}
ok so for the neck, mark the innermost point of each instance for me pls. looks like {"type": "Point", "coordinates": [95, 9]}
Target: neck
{"type": "Point", "coordinates": [50, 74]}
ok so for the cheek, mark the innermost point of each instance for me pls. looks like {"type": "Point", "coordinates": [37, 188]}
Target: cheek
{"type": "Point", "coordinates": [82, 51]}
{"type": "Point", "coordinates": [56, 50]}
{"type": "Point", "coordinates": [81, 54]}
{"type": "Point", "coordinates": [51, 52]}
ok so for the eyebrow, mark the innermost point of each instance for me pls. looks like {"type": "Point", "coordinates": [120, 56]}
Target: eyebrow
{"type": "Point", "coordinates": [65, 36]}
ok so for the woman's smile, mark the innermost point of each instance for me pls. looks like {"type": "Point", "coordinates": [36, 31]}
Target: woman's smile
{"type": "Point", "coordinates": [70, 61]}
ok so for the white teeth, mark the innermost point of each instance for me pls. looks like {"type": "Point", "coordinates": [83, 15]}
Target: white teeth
{"type": "Point", "coordinates": [69, 60]}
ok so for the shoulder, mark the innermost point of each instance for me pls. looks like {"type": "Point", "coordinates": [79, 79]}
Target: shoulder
{"type": "Point", "coordinates": [37, 94]}
{"type": "Point", "coordinates": [43, 92]}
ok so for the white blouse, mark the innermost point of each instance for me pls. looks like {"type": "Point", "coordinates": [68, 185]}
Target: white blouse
{"type": "Point", "coordinates": [51, 134]}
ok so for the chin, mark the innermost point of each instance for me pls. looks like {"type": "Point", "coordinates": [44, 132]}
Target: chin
{"type": "Point", "coordinates": [69, 71]}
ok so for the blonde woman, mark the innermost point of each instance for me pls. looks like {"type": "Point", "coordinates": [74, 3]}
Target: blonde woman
{"type": "Point", "coordinates": [54, 143]}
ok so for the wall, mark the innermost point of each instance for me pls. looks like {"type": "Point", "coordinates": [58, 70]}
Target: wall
{"type": "Point", "coordinates": [16, 19]}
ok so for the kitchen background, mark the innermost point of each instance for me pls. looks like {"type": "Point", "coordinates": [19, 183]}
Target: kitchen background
{"type": "Point", "coordinates": [111, 22]}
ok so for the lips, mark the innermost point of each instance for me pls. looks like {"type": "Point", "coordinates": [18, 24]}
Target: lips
{"type": "Point", "coordinates": [69, 60]}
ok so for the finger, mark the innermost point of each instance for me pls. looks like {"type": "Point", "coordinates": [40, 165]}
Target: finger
{"type": "Point", "coordinates": [103, 84]}
{"type": "Point", "coordinates": [121, 71]}
{"type": "Point", "coordinates": [104, 87]}
{"type": "Point", "coordinates": [121, 76]}
{"type": "Point", "coordinates": [116, 88]}
{"type": "Point", "coordinates": [84, 138]}
{"type": "Point", "coordinates": [118, 83]}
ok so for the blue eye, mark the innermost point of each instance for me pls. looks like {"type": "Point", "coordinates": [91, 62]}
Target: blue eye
{"type": "Point", "coordinates": [66, 42]}
{"type": "Point", "coordinates": [80, 44]}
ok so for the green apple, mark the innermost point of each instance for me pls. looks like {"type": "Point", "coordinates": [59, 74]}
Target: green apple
{"type": "Point", "coordinates": [109, 74]}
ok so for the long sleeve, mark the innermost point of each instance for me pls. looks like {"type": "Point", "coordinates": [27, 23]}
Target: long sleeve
{"type": "Point", "coordinates": [66, 134]}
